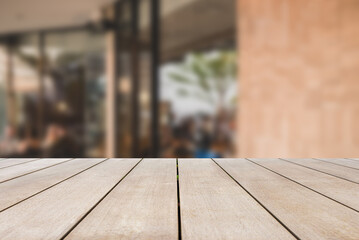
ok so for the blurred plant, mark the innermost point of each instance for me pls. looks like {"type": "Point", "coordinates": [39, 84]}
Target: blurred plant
{"type": "Point", "coordinates": [207, 76]}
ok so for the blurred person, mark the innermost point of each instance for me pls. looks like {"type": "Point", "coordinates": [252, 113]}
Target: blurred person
{"type": "Point", "coordinates": [22, 145]}
{"type": "Point", "coordinates": [221, 146]}
{"type": "Point", "coordinates": [180, 147]}
{"type": "Point", "coordinates": [166, 140]}
{"type": "Point", "coordinates": [145, 150]}
{"type": "Point", "coordinates": [29, 145]}
{"type": "Point", "coordinates": [59, 143]}
{"type": "Point", "coordinates": [188, 128]}
{"type": "Point", "coordinates": [9, 142]}
{"type": "Point", "coordinates": [206, 148]}
{"type": "Point", "coordinates": [204, 145]}
{"type": "Point", "coordinates": [224, 133]}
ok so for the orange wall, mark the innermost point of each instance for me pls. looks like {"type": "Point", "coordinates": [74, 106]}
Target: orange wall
{"type": "Point", "coordinates": [299, 78]}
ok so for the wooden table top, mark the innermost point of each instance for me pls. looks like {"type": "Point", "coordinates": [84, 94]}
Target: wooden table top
{"type": "Point", "coordinates": [179, 199]}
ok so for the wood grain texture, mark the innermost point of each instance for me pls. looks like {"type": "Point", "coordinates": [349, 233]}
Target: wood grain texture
{"type": "Point", "coordinates": [23, 187]}
{"type": "Point", "coordinates": [213, 206]}
{"type": "Point", "coordinates": [4, 163]}
{"type": "Point", "coordinates": [142, 206]}
{"type": "Point", "coordinates": [341, 190]}
{"type": "Point", "coordinates": [340, 171]}
{"type": "Point", "coordinates": [19, 170]}
{"type": "Point", "coordinates": [308, 214]}
{"type": "Point", "coordinates": [50, 214]}
{"type": "Point", "coordinates": [342, 162]}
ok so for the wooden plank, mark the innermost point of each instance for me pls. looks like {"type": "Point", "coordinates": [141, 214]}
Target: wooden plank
{"type": "Point", "coordinates": [15, 161]}
{"type": "Point", "coordinates": [213, 206]}
{"type": "Point", "coordinates": [24, 187]}
{"type": "Point", "coordinates": [342, 162]}
{"type": "Point", "coordinates": [335, 188]}
{"type": "Point", "coordinates": [7, 174]}
{"type": "Point", "coordinates": [51, 214]}
{"type": "Point", "coordinates": [335, 170]}
{"type": "Point", "coordinates": [143, 206]}
{"type": "Point", "coordinates": [308, 214]}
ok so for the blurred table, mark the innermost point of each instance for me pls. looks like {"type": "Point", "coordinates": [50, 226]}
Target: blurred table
{"type": "Point", "coordinates": [179, 199]}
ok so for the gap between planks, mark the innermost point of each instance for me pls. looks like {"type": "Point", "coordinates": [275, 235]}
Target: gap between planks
{"type": "Point", "coordinates": [35, 170]}
{"type": "Point", "coordinates": [322, 194]}
{"type": "Point", "coordinates": [322, 171]}
{"type": "Point", "coordinates": [142, 206]}
{"type": "Point", "coordinates": [178, 193]}
{"type": "Point", "coordinates": [53, 185]}
{"type": "Point", "coordinates": [101, 199]}
{"type": "Point", "coordinates": [334, 161]}
{"type": "Point", "coordinates": [178, 204]}
{"type": "Point", "coordinates": [298, 200]}
{"type": "Point", "coordinates": [259, 202]}
{"type": "Point", "coordinates": [16, 164]}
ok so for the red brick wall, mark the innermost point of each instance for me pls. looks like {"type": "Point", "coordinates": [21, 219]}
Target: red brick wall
{"type": "Point", "coordinates": [299, 78]}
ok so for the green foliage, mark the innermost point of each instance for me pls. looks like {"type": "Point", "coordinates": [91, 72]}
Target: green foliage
{"type": "Point", "coordinates": [208, 75]}
{"type": "Point", "coordinates": [182, 92]}
{"type": "Point", "coordinates": [179, 78]}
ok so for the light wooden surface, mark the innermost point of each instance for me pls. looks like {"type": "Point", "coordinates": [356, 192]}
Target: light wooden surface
{"type": "Point", "coordinates": [51, 214]}
{"type": "Point", "coordinates": [148, 210]}
{"type": "Point", "coordinates": [14, 161]}
{"type": "Point", "coordinates": [344, 172]}
{"type": "Point", "coordinates": [308, 214]}
{"type": "Point", "coordinates": [208, 199]}
{"type": "Point", "coordinates": [36, 182]}
{"type": "Point", "coordinates": [213, 206]}
{"type": "Point", "coordinates": [343, 162]}
{"type": "Point", "coordinates": [332, 187]}
{"type": "Point", "coordinates": [7, 174]}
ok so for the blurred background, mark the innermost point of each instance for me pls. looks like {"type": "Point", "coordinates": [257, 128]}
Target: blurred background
{"type": "Point", "coordinates": [179, 78]}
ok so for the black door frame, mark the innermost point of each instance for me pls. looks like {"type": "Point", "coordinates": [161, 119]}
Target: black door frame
{"type": "Point", "coordinates": [135, 69]}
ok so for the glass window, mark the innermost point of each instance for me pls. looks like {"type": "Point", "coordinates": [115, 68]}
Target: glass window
{"type": "Point", "coordinates": [76, 96]}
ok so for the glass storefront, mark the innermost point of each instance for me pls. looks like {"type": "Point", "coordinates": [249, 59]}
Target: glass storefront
{"type": "Point", "coordinates": [57, 83]}
{"type": "Point", "coordinates": [71, 73]}
{"type": "Point", "coordinates": [57, 87]}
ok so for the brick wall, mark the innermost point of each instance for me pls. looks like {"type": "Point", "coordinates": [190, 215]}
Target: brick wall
{"type": "Point", "coordinates": [299, 78]}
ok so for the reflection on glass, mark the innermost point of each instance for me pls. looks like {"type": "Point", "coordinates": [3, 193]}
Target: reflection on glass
{"type": "Point", "coordinates": [76, 97]}
{"type": "Point", "coordinates": [3, 73]}
{"type": "Point", "coordinates": [197, 78]}
{"type": "Point", "coordinates": [19, 89]}
{"type": "Point", "coordinates": [25, 65]}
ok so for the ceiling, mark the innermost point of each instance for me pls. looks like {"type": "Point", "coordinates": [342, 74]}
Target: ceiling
{"type": "Point", "coordinates": [27, 15]}
{"type": "Point", "coordinates": [200, 25]}
{"type": "Point", "coordinates": [186, 25]}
